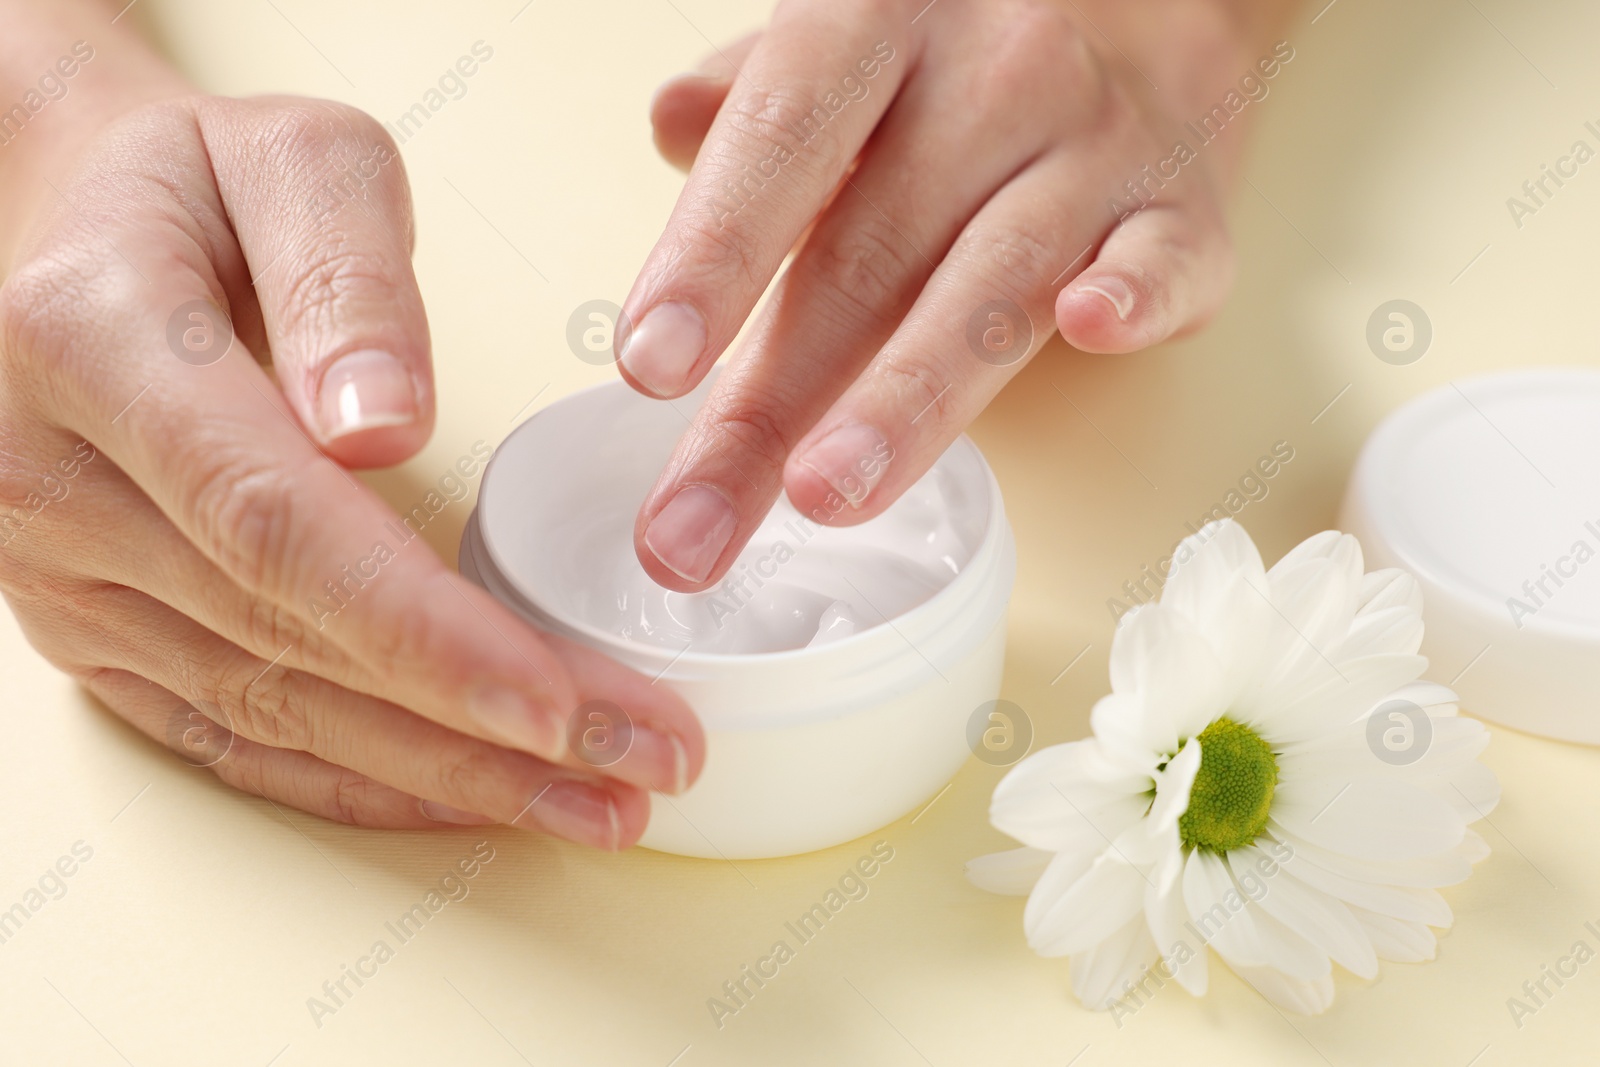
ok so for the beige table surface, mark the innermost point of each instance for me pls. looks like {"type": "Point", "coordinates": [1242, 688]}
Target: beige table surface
{"type": "Point", "coordinates": [1383, 158]}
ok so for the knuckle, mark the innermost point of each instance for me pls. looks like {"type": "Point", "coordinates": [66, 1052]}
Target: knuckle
{"type": "Point", "coordinates": [27, 300]}
{"type": "Point", "coordinates": [919, 387]}
{"type": "Point", "coordinates": [56, 634]}
{"type": "Point", "coordinates": [267, 625]}
{"type": "Point", "coordinates": [408, 633]}
{"type": "Point", "coordinates": [871, 270]}
{"type": "Point", "coordinates": [1037, 35]}
{"type": "Point", "coordinates": [322, 284]}
{"type": "Point", "coordinates": [268, 707]}
{"type": "Point", "coordinates": [770, 116]}
{"type": "Point", "coordinates": [1012, 262]}
{"type": "Point", "coordinates": [725, 243]}
{"type": "Point", "coordinates": [765, 137]}
{"type": "Point", "coordinates": [350, 798]}
{"type": "Point", "coordinates": [245, 516]}
{"type": "Point", "coordinates": [309, 132]}
{"type": "Point", "coordinates": [473, 779]}
{"type": "Point", "coordinates": [37, 308]}
{"type": "Point", "coordinates": [360, 127]}
{"type": "Point", "coordinates": [1039, 43]}
{"type": "Point", "coordinates": [238, 771]}
{"type": "Point", "coordinates": [352, 152]}
{"type": "Point", "coordinates": [749, 425]}
{"type": "Point", "coordinates": [62, 314]}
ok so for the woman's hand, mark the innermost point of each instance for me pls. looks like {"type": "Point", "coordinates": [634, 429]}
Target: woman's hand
{"type": "Point", "coordinates": [180, 532]}
{"type": "Point", "coordinates": [961, 179]}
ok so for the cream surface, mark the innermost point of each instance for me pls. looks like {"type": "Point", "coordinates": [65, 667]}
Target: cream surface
{"type": "Point", "coordinates": [796, 584]}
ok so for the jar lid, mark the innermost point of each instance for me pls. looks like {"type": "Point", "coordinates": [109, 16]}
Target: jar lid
{"type": "Point", "coordinates": [1485, 490]}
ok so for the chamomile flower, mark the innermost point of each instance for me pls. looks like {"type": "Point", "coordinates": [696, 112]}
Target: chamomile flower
{"type": "Point", "coordinates": [1268, 779]}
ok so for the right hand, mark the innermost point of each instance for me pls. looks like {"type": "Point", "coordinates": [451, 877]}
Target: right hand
{"type": "Point", "coordinates": [170, 524]}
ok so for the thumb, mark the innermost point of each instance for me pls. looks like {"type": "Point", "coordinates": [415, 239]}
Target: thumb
{"type": "Point", "coordinates": [319, 201]}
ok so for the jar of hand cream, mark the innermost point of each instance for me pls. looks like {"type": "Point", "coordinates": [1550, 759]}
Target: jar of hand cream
{"type": "Point", "coordinates": [835, 669]}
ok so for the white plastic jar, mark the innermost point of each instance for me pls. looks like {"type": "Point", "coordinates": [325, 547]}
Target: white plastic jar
{"type": "Point", "coordinates": [807, 747]}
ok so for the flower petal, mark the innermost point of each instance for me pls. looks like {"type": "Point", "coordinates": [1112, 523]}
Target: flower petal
{"type": "Point", "coordinates": [1166, 913]}
{"type": "Point", "coordinates": [1094, 907]}
{"type": "Point", "coordinates": [1386, 588]}
{"type": "Point", "coordinates": [1242, 934]}
{"type": "Point", "coordinates": [1287, 951]}
{"type": "Point", "coordinates": [1220, 586]}
{"type": "Point", "coordinates": [1205, 564]}
{"type": "Point", "coordinates": [1014, 872]}
{"type": "Point", "coordinates": [1424, 872]}
{"type": "Point", "coordinates": [1314, 915]}
{"type": "Point", "coordinates": [1432, 697]}
{"type": "Point", "coordinates": [1437, 750]}
{"type": "Point", "coordinates": [1314, 602]}
{"type": "Point", "coordinates": [1173, 786]}
{"type": "Point", "coordinates": [1472, 790]}
{"type": "Point", "coordinates": [1473, 848]}
{"type": "Point", "coordinates": [1100, 973]}
{"type": "Point", "coordinates": [1068, 798]}
{"type": "Point", "coordinates": [1156, 852]}
{"type": "Point", "coordinates": [1399, 902]}
{"type": "Point", "coordinates": [1330, 546]}
{"type": "Point", "coordinates": [1161, 659]}
{"type": "Point", "coordinates": [1060, 875]}
{"type": "Point", "coordinates": [1392, 630]}
{"type": "Point", "coordinates": [1119, 726]}
{"type": "Point", "coordinates": [1369, 817]}
{"type": "Point", "coordinates": [1326, 697]}
{"type": "Point", "coordinates": [1397, 940]}
{"type": "Point", "coordinates": [1327, 564]}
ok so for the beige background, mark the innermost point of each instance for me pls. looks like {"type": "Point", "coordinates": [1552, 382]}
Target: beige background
{"type": "Point", "coordinates": [1382, 161]}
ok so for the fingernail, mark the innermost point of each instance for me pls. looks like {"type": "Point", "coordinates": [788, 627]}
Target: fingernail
{"type": "Point", "coordinates": [518, 721]}
{"type": "Point", "coordinates": [578, 812]}
{"type": "Point", "coordinates": [432, 809]}
{"type": "Point", "coordinates": [661, 351]}
{"type": "Point", "coordinates": [1114, 290]}
{"type": "Point", "coordinates": [853, 459]}
{"type": "Point", "coordinates": [363, 391]}
{"type": "Point", "coordinates": [662, 757]}
{"type": "Point", "coordinates": [689, 534]}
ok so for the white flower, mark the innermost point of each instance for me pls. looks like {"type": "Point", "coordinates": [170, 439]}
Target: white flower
{"type": "Point", "coordinates": [1267, 777]}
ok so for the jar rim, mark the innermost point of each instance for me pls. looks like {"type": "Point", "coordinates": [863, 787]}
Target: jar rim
{"type": "Point", "coordinates": [986, 554]}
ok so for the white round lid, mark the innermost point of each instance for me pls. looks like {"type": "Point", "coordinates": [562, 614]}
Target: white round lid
{"type": "Point", "coordinates": [1486, 490]}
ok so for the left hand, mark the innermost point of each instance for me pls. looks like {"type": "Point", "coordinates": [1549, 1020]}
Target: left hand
{"type": "Point", "coordinates": [949, 173]}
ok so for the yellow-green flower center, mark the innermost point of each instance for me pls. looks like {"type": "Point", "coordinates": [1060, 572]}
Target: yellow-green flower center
{"type": "Point", "coordinates": [1232, 791]}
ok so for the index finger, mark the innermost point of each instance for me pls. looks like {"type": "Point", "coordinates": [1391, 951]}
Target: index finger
{"type": "Point", "coordinates": [799, 112]}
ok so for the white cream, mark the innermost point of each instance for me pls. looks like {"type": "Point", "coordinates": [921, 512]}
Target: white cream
{"type": "Point", "coordinates": [796, 584]}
